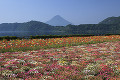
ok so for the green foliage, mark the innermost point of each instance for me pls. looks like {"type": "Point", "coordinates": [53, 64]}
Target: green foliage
{"type": "Point", "coordinates": [96, 29]}
{"type": "Point", "coordinates": [9, 38]}
{"type": "Point", "coordinates": [52, 36]}
{"type": "Point", "coordinates": [58, 36]}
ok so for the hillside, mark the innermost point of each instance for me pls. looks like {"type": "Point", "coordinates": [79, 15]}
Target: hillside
{"type": "Point", "coordinates": [34, 26]}
{"type": "Point", "coordinates": [93, 29]}
{"type": "Point", "coordinates": [111, 20]}
{"type": "Point", "coordinates": [26, 26]}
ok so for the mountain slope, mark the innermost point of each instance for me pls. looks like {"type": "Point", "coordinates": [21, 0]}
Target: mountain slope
{"type": "Point", "coordinates": [58, 21]}
{"type": "Point", "coordinates": [34, 26]}
{"type": "Point", "coordinates": [27, 26]}
{"type": "Point", "coordinates": [111, 20]}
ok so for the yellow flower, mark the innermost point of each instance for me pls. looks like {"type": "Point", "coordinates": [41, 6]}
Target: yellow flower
{"type": "Point", "coordinates": [62, 62]}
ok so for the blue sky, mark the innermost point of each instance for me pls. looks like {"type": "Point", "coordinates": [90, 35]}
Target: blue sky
{"type": "Point", "coordinates": [75, 11]}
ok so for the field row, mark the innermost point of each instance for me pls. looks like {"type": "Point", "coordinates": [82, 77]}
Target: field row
{"type": "Point", "coordinates": [36, 44]}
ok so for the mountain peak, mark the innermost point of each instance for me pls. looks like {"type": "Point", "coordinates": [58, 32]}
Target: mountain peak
{"type": "Point", "coordinates": [57, 16]}
{"type": "Point", "coordinates": [58, 21]}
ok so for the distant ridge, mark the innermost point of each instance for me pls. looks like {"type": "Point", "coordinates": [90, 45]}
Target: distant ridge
{"type": "Point", "coordinates": [58, 21]}
{"type": "Point", "coordinates": [111, 20]}
{"type": "Point", "coordinates": [110, 25]}
{"type": "Point", "coordinates": [26, 26]}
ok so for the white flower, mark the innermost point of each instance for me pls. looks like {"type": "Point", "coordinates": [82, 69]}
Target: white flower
{"type": "Point", "coordinates": [91, 69]}
{"type": "Point", "coordinates": [32, 71]}
{"type": "Point", "coordinates": [38, 67]}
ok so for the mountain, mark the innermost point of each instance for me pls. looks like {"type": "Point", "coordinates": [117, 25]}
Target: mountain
{"type": "Point", "coordinates": [26, 26]}
{"type": "Point", "coordinates": [34, 26]}
{"type": "Point", "coordinates": [58, 21]}
{"type": "Point", "coordinates": [110, 25]}
{"type": "Point", "coordinates": [111, 20]}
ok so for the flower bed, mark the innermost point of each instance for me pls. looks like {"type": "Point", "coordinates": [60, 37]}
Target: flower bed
{"type": "Point", "coordinates": [100, 61]}
{"type": "Point", "coordinates": [36, 44]}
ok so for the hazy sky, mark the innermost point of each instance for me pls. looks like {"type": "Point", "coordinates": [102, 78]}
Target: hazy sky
{"type": "Point", "coordinates": [75, 11]}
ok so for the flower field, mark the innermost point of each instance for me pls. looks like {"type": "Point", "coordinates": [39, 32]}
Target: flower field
{"type": "Point", "coordinates": [36, 44]}
{"type": "Point", "coordinates": [72, 58]}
